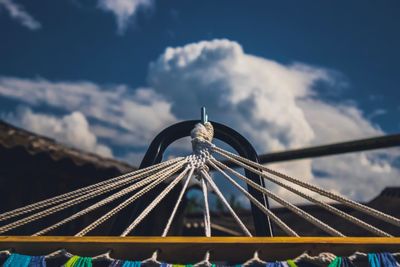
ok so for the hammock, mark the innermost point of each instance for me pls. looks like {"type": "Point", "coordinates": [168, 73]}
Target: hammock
{"type": "Point", "coordinates": [181, 170]}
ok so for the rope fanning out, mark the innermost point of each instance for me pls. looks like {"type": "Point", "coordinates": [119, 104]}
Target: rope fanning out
{"type": "Point", "coordinates": [328, 207]}
{"type": "Point", "coordinates": [157, 200]}
{"type": "Point", "coordinates": [171, 218]}
{"type": "Point", "coordinates": [225, 202]}
{"type": "Point", "coordinates": [82, 191]}
{"type": "Point", "coordinates": [368, 210]}
{"type": "Point", "coordinates": [105, 201]}
{"type": "Point", "coordinates": [136, 184]}
{"type": "Point", "coordinates": [128, 201]}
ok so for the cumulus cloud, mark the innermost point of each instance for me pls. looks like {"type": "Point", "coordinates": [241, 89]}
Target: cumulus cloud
{"type": "Point", "coordinates": [18, 13]}
{"type": "Point", "coordinates": [274, 105]}
{"type": "Point", "coordinates": [71, 129]}
{"type": "Point", "coordinates": [125, 117]}
{"type": "Point", "coordinates": [124, 10]}
{"type": "Point", "coordinates": [277, 107]}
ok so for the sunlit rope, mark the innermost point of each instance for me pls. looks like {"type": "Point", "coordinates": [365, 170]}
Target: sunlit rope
{"type": "Point", "coordinates": [178, 201]}
{"type": "Point", "coordinates": [358, 206]}
{"type": "Point", "coordinates": [206, 211]}
{"type": "Point", "coordinates": [225, 202]}
{"type": "Point", "coordinates": [278, 199]}
{"type": "Point", "coordinates": [267, 212]}
{"type": "Point", "coordinates": [107, 200]}
{"type": "Point", "coordinates": [61, 206]}
{"type": "Point", "coordinates": [130, 200]}
{"type": "Point", "coordinates": [157, 200]}
{"type": "Point", "coordinates": [57, 199]}
{"type": "Point", "coordinates": [328, 207]}
{"type": "Point", "coordinates": [140, 182]}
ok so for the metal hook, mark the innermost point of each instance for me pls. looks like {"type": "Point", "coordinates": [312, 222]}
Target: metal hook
{"type": "Point", "coordinates": [204, 116]}
{"type": "Point", "coordinates": [255, 259]}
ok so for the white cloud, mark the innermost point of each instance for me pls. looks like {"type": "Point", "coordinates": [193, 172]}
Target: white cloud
{"type": "Point", "coordinates": [124, 10]}
{"type": "Point", "coordinates": [18, 13]}
{"type": "Point", "coordinates": [72, 129]}
{"type": "Point", "coordinates": [122, 116]}
{"type": "Point", "coordinates": [276, 106]}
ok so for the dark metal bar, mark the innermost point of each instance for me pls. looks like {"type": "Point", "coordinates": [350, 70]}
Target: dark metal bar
{"type": "Point", "coordinates": [329, 150]}
{"type": "Point", "coordinates": [226, 134]}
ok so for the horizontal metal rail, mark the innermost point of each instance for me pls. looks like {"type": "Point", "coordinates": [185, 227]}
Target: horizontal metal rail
{"type": "Point", "coordinates": [386, 141]}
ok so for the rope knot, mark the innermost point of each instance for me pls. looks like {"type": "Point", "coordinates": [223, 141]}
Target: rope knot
{"type": "Point", "coordinates": [202, 135]}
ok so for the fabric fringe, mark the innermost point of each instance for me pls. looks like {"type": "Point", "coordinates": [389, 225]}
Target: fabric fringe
{"type": "Point", "coordinates": [383, 259]}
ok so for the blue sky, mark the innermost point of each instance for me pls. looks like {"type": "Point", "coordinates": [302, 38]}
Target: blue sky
{"type": "Point", "coordinates": [97, 74]}
{"type": "Point", "coordinates": [358, 39]}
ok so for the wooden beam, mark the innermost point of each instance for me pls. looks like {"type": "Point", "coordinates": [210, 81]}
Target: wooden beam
{"type": "Point", "coordinates": [192, 249]}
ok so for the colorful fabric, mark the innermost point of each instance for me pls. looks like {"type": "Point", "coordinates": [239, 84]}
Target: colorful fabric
{"type": "Point", "coordinates": [131, 264]}
{"type": "Point", "coordinates": [341, 262]}
{"type": "Point", "coordinates": [291, 263]}
{"type": "Point", "coordinates": [77, 261]}
{"type": "Point", "coordinates": [116, 263]}
{"type": "Point", "coordinates": [17, 260]}
{"type": "Point", "coordinates": [123, 263]}
{"type": "Point", "coordinates": [373, 260]}
{"type": "Point", "coordinates": [384, 259]}
{"type": "Point", "coordinates": [37, 261]}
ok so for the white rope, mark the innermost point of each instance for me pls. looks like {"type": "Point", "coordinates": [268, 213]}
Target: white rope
{"type": "Point", "coordinates": [152, 259]}
{"type": "Point", "coordinates": [278, 199]}
{"type": "Point", "coordinates": [225, 202]}
{"type": "Point", "coordinates": [57, 253]}
{"type": "Point", "coordinates": [76, 193]}
{"type": "Point", "coordinates": [328, 207]}
{"type": "Point", "coordinates": [205, 261]}
{"type": "Point", "coordinates": [324, 257]}
{"type": "Point", "coordinates": [266, 211]}
{"type": "Point", "coordinates": [6, 252]}
{"type": "Point", "coordinates": [207, 219]}
{"type": "Point", "coordinates": [155, 202]}
{"type": "Point", "coordinates": [105, 201]}
{"type": "Point", "coordinates": [355, 205]}
{"type": "Point", "coordinates": [181, 194]}
{"type": "Point", "coordinates": [128, 201]}
{"type": "Point", "coordinates": [63, 206]}
{"type": "Point", "coordinates": [255, 260]}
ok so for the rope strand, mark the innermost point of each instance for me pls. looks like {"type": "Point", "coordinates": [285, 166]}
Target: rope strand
{"type": "Point", "coordinates": [368, 210]}
{"type": "Point", "coordinates": [328, 207]}
{"type": "Point", "coordinates": [131, 199]}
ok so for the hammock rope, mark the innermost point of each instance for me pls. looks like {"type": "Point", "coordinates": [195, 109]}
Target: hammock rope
{"type": "Point", "coordinates": [355, 205]}
{"type": "Point", "coordinates": [84, 190]}
{"type": "Point", "coordinates": [182, 170]}
{"type": "Point", "coordinates": [178, 201]}
{"type": "Point", "coordinates": [303, 214]}
{"type": "Point", "coordinates": [281, 201]}
{"type": "Point", "coordinates": [326, 206]}
{"type": "Point", "coordinates": [103, 202]}
{"type": "Point", "coordinates": [196, 165]}
{"type": "Point", "coordinates": [165, 174]}
{"type": "Point", "coordinates": [157, 200]}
